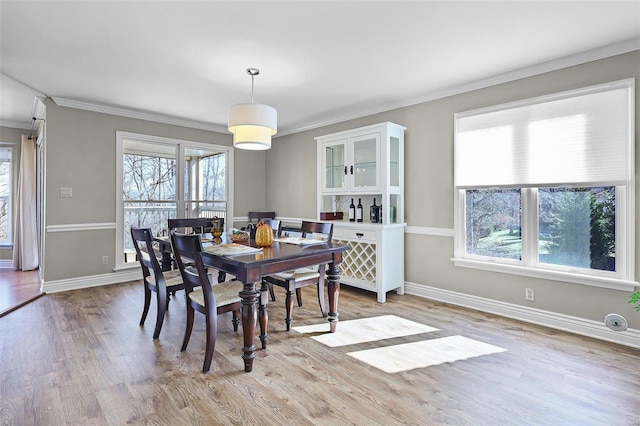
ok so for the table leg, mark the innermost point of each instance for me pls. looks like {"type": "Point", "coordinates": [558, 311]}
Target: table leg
{"type": "Point", "coordinates": [249, 297]}
{"type": "Point", "coordinates": [263, 315]}
{"type": "Point", "coordinates": [333, 289]}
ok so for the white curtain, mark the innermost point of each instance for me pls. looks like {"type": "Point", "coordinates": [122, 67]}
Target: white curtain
{"type": "Point", "coordinates": [25, 238]}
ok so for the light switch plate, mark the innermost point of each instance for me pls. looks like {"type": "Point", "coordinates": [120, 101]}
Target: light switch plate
{"type": "Point", "coordinates": [66, 192]}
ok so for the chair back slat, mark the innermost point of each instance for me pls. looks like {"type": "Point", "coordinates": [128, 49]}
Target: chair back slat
{"type": "Point", "coordinates": [261, 215]}
{"type": "Point", "coordinates": [317, 228]}
{"type": "Point", "coordinates": [188, 248]}
{"type": "Point", "coordinates": [195, 225]}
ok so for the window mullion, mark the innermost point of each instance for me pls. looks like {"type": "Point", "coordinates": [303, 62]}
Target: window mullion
{"type": "Point", "coordinates": [530, 226]}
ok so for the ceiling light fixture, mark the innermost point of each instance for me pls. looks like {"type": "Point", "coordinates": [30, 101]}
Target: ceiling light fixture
{"type": "Point", "coordinates": [252, 124]}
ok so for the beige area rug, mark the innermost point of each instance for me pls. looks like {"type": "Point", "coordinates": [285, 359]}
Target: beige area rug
{"type": "Point", "coordinates": [365, 330]}
{"type": "Point", "coordinates": [408, 356]}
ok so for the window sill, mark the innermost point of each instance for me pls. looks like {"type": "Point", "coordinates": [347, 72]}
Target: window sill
{"type": "Point", "coordinates": [604, 282]}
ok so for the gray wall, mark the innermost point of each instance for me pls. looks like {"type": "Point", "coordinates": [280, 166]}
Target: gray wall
{"type": "Point", "coordinates": [14, 137]}
{"type": "Point", "coordinates": [81, 154]}
{"type": "Point", "coordinates": [291, 190]}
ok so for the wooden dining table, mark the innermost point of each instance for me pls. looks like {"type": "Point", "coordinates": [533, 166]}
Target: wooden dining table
{"type": "Point", "coordinates": [280, 257]}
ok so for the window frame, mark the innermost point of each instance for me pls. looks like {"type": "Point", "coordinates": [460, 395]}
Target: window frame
{"type": "Point", "coordinates": [621, 279]}
{"type": "Point", "coordinates": [8, 243]}
{"type": "Point", "coordinates": [181, 146]}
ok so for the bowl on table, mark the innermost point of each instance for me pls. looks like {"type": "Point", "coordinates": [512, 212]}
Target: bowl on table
{"type": "Point", "coordinates": [239, 237]}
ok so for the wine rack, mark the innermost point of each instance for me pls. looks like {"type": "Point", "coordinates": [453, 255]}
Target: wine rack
{"type": "Point", "coordinates": [359, 262]}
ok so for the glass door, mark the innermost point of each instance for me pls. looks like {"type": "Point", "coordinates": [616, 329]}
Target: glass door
{"type": "Point", "coordinates": [365, 162]}
{"type": "Point", "coordinates": [335, 166]}
{"type": "Point", "coordinates": [205, 181]}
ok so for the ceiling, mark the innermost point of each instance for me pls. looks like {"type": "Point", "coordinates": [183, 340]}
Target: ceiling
{"type": "Point", "coordinates": [320, 62]}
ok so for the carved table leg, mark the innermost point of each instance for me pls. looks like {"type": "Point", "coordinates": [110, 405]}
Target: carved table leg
{"type": "Point", "coordinates": [333, 289]}
{"type": "Point", "coordinates": [263, 315]}
{"type": "Point", "coordinates": [249, 297]}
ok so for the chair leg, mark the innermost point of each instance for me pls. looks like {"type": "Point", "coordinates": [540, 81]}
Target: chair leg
{"type": "Point", "coordinates": [299, 296]}
{"type": "Point", "coordinates": [189, 328]}
{"type": "Point", "coordinates": [323, 308]}
{"type": "Point", "coordinates": [288, 302]}
{"type": "Point", "coordinates": [263, 314]}
{"type": "Point", "coordinates": [271, 292]}
{"type": "Point", "coordinates": [162, 308]}
{"type": "Point", "coordinates": [212, 328]}
{"type": "Point", "coordinates": [236, 321]}
{"type": "Point", "coordinates": [147, 302]}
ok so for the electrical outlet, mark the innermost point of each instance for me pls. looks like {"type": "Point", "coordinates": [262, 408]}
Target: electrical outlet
{"type": "Point", "coordinates": [105, 260]}
{"type": "Point", "coordinates": [529, 294]}
{"type": "Point", "coordinates": [66, 192]}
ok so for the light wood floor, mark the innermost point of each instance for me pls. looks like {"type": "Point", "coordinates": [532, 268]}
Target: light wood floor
{"type": "Point", "coordinates": [17, 288]}
{"type": "Point", "coordinates": [80, 357]}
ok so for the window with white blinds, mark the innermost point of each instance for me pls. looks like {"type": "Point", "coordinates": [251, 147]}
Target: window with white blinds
{"type": "Point", "coordinates": [582, 137]}
{"type": "Point", "coordinates": [545, 187]}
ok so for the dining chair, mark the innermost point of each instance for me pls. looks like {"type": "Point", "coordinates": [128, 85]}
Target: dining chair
{"type": "Point", "coordinates": [261, 215]}
{"type": "Point", "coordinates": [195, 225]}
{"type": "Point", "coordinates": [210, 300]}
{"type": "Point", "coordinates": [163, 284]}
{"type": "Point", "coordinates": [294, 280]}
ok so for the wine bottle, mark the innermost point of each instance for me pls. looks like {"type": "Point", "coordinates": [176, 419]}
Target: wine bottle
{"type": "Point", "coordinates": [359, 211]}
{"type": "Point", "coordinates": [352, 212]}
{"type": "Point", "coordinates": [373, 212]}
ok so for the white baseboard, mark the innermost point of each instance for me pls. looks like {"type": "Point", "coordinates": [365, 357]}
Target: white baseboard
{"type": "Point", "coordinates": [6, 263]}
{"type": "Point", "coordinates": [576, 325]}
{"type": "Point", "coordinates": [92, 281]}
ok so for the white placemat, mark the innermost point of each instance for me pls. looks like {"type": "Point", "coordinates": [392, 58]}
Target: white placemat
{"type": "Point", "coordinates": [299, 241]}
{"type": "Point", "coordinates": [231, 249]}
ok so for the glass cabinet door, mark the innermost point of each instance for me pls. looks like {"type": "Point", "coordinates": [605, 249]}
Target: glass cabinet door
{"type": "Point", "coordinates": [394, 162]}
{"type": "Point", "coordinates": [335, 165]}
{"type": "Point", "coordinates": [365, 162]}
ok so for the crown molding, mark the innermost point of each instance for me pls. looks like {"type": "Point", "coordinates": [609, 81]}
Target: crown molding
{"type": "Point", "coordinates": [493, 80]}
{"type": "Point", "coordinates": [140, 115]}
{"type": "Point", "coordinates": [15, 124]}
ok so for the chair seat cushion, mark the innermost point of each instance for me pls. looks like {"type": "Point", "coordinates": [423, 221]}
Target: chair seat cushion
{"type": "Point", "coordinates": [226, 293]}
{"type": "Point", "coordinates": [300, 274]}
{"type": "Point", "coordinates": [171, 278]}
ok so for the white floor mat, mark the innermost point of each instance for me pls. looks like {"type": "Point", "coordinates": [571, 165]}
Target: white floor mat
{"type": "Point", "coordinates": [408, 356]}
{"type": "Point", "coordinates": [365, 330]}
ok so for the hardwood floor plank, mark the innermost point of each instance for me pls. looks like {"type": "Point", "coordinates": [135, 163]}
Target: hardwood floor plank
{"type": "Point", "coordinates": [17, 288]}
{"type": "Point", "coordinates": [80, 357]}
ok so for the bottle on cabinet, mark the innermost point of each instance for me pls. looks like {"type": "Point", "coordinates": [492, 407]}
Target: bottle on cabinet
{"type": "Point", "coordinates": [359, 211]}
{"type": "Point", "coordinates": [352, 212]}
{"type": "Point", "coordinates": [374, 212]}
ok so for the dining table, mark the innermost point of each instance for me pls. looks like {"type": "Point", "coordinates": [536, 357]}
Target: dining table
{"type": "Point", "coordinates": [253, 263]}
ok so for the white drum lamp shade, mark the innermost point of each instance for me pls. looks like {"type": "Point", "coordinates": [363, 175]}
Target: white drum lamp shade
{"type": "Point", "coordinates": [252, 125]}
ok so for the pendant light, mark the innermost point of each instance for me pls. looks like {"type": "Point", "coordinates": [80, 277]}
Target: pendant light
{"type": "Point", "coordinates": [252, 124]}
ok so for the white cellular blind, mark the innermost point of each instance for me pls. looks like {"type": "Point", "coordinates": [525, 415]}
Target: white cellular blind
{"type": "Point", "coordinates": [582, 137]}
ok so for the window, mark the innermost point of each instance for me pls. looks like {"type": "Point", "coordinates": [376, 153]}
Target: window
{"type": "Point", "coordinates": [150, 171]}
{"type": "Point", "coordinates": [5, 196]}
{"type": "Point", "coordinates": [545, 187]}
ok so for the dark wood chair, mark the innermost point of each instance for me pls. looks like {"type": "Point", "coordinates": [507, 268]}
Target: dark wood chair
{"type": "Point", "coordinates": [154, 279]}
{"type": "Point", "coordinates": [191, 225]}
{"type": "Point", "coordinates": [210, 300]}
{"type": "Point", "coordinates": [254, 217]}
{"type": "Point", "coordinates": [294, 280]}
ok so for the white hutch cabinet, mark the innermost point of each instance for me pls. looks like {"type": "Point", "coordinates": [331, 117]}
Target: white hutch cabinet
{"type": "Point", "coordinates": [365, 164]}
